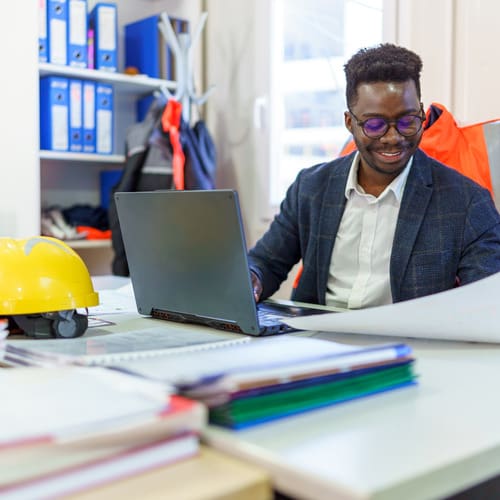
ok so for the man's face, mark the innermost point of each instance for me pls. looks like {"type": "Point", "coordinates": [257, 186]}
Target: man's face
{"type": "Point", "coordinates": [386, 156]}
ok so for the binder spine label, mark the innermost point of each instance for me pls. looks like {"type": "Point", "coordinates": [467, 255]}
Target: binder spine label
{"type": "Point", "coordinates": [43, 53]}
{"type": "Point", "coordinates": [104, 119]}
{"type": "Point", "coordinates": [75, 116]}
{"type": "Point", "coordinates": [54, 113]}
{"type": "Point", "coordinates": [89, 117]}
{"type": "Point", "coordinates": [77, 33]}
{"type": "Point", "coordinates": [58, 31]}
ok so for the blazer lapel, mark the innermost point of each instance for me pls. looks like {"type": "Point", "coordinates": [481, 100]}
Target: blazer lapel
{"type": "Point", "coordinates": [416, 197]}
{"type": "Point", "coordinates": [332, 208]}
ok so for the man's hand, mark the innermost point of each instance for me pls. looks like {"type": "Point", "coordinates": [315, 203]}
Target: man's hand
{"type": "Point", "coordinates": [256, 285]}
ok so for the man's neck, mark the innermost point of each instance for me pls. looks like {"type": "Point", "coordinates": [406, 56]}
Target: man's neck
{"type": "Point", "coordinates": [374, 183]}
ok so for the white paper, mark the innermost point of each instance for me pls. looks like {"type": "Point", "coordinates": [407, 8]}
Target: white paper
{"type": "Point", "coordinates": [113, 302]}
{"type": "Point", "coordinates": [470, 313]}
{"type": "Point", "coordinates": [68, 401]}
{"type": "Point", "coordinates": [116, 295]}
{"type": "Point", "coordinates": [282, 352]}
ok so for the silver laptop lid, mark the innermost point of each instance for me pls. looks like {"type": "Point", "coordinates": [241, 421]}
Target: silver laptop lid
{"type": "Point", "coordinates": [187, 257]}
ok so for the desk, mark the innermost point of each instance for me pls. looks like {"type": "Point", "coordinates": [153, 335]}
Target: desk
{"type": "Point", "coordinates": [430, 441]}
{"type": "Point", "coordinates": [208, 476]}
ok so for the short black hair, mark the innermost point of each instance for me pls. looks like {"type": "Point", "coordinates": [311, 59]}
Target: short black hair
{"type": "Point", "coordinates": [383, 63]}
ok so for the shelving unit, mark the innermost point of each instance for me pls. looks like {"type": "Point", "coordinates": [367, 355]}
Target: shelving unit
{"type": "Point", "coordinates": [80, 157]}
{"type": "Point", "coordinates": [69, 177]}
{"type": "Point", "coordinates": [122, 83]}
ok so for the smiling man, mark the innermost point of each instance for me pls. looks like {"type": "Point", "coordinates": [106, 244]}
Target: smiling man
{"type": "Point", "coordinates": [386, 223]}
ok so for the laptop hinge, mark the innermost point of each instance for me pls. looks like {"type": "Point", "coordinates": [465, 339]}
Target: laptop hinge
{"type": "Point", "coordinates": [228, 326]}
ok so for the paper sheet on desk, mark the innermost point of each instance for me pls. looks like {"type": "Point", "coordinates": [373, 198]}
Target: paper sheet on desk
{"type": "Point", "coordinates": [470, 313]}
{"type": "Point", "coordinates": [114, 301]}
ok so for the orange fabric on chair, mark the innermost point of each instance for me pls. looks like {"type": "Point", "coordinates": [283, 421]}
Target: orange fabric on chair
{"type": "Point", "coordinates": [461, 147]}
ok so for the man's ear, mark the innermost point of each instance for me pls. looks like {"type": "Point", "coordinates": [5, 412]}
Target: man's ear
{"type": "Point", "coordinates": [348, 121]}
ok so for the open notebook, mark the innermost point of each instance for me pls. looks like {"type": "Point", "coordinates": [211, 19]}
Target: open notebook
{"type": "Point", "coordinates": [188, 261]}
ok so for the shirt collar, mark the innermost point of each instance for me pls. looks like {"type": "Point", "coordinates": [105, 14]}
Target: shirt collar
{"type": "Point", "coordinates": [396, 186]}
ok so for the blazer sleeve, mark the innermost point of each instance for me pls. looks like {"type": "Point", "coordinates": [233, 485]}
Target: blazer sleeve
{"type": "Point", "coordinates": [481, 242]}
{"type": "Point", "coordinates": [274, 255]}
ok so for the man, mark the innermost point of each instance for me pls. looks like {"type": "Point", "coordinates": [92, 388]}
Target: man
{"type": "Point", "coordinates": [386, 223]}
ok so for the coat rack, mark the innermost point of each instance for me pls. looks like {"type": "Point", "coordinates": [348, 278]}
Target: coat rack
{"type": "Point", "coordinates": [182, 48]}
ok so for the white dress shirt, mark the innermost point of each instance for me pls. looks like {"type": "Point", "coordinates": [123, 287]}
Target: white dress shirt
{"type": "Point", "coordinates": [359, 267]}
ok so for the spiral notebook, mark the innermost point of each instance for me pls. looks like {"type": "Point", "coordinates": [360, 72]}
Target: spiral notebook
{"type": "Point", "coordinates": [104, 349]}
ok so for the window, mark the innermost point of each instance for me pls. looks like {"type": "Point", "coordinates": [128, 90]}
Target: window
{"type": "Point", "coordinates": [311, 41]}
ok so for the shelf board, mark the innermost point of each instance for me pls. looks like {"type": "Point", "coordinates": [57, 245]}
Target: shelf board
{"type": "Point", "coordinates": [83, 244]}
{"type": "Point", "coordinates": [124, 83]}
{"type": "Point", "coordinates": [82, 157]}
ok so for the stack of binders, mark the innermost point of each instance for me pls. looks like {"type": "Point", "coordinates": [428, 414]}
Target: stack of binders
{"type": "Point", "coordinates": [70, 36]}
{"type": "Point", "coordinates": [76, 115]}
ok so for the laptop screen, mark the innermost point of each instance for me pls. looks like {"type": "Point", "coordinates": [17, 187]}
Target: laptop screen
{"type": "Point", "coordinates": [186, 253]}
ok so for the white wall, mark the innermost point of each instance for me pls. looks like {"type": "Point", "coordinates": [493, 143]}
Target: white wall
{"type": "Point", "coordinates": [19, 172]}
{"type": "Point", "coordinates": [476, 70]}
{"type": "Point", "coordinates": [458, 42]}
{"type": "Point", "coordinates": [235, 42]}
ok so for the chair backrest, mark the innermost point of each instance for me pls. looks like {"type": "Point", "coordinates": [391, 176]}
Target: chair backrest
{"type": "Point", "coordinates": [492, 138]}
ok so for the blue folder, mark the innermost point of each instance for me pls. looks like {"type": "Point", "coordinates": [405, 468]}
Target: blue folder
{"type": "Point", "coordinates": [147, 50]}
{"type": "Point", "coordinates": [57, 24]}
{"type": "Point", "coordinates": [43, 41]}
{"type": "Point", "coordinates": [143, 42]}
{"type": "Point", "coordinates": [104, 118]}
{"type": "Point", "coordinates": [77, 33]}
{"type": "Point", "coordinates": [54, 113]}
{"type": "Point", "coordinates": [103, 21]}
{"type": "Point", "coordinates": [76, 116]}
{"type": "Point", "coordinates": [88, 117]}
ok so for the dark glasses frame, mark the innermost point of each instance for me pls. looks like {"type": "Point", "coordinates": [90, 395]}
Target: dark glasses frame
{"type": "Point", "coordinates": [420, 117]}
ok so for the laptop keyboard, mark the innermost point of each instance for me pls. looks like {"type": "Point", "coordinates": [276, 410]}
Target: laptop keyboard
{"type": "Point", "coordinates": [273, 321]}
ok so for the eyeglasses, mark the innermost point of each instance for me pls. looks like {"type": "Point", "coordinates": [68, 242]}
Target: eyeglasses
{"type": "Point", "coordinates": [377, 127]}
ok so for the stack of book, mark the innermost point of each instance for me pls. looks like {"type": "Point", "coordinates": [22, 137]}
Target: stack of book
{"type": "Point", "coordinates": [271, 378]}
{"type": "Point", "coordinates": [248, 381]}
{"type": "Point", "coordinates": [66, 429]}
{"type": "Point", "coordinates": [239, 400]}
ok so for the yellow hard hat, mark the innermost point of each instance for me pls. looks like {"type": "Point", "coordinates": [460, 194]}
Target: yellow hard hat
{"type": "Point", "coordinates": [43, 275]}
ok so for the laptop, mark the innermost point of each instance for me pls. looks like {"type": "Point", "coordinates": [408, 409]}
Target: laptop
{"type": "Point", "coordinates": [187, 259]}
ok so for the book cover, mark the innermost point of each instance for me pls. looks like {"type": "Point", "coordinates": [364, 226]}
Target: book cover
{"type": "Point", "coordinates": [67, 425]}
{"type": "Point", "coordinates": [76, 468]}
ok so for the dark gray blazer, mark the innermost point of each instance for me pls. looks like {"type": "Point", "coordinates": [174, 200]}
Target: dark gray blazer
{"type": "Point", "coordinates": [448, 229]}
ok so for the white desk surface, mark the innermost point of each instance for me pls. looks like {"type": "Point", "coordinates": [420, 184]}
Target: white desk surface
{"type": "Point", "coordinates": [428, 441]}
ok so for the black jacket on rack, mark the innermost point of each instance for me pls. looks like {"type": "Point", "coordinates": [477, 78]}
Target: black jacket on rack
{"type": "Point", "coordinates": [148, 167]}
